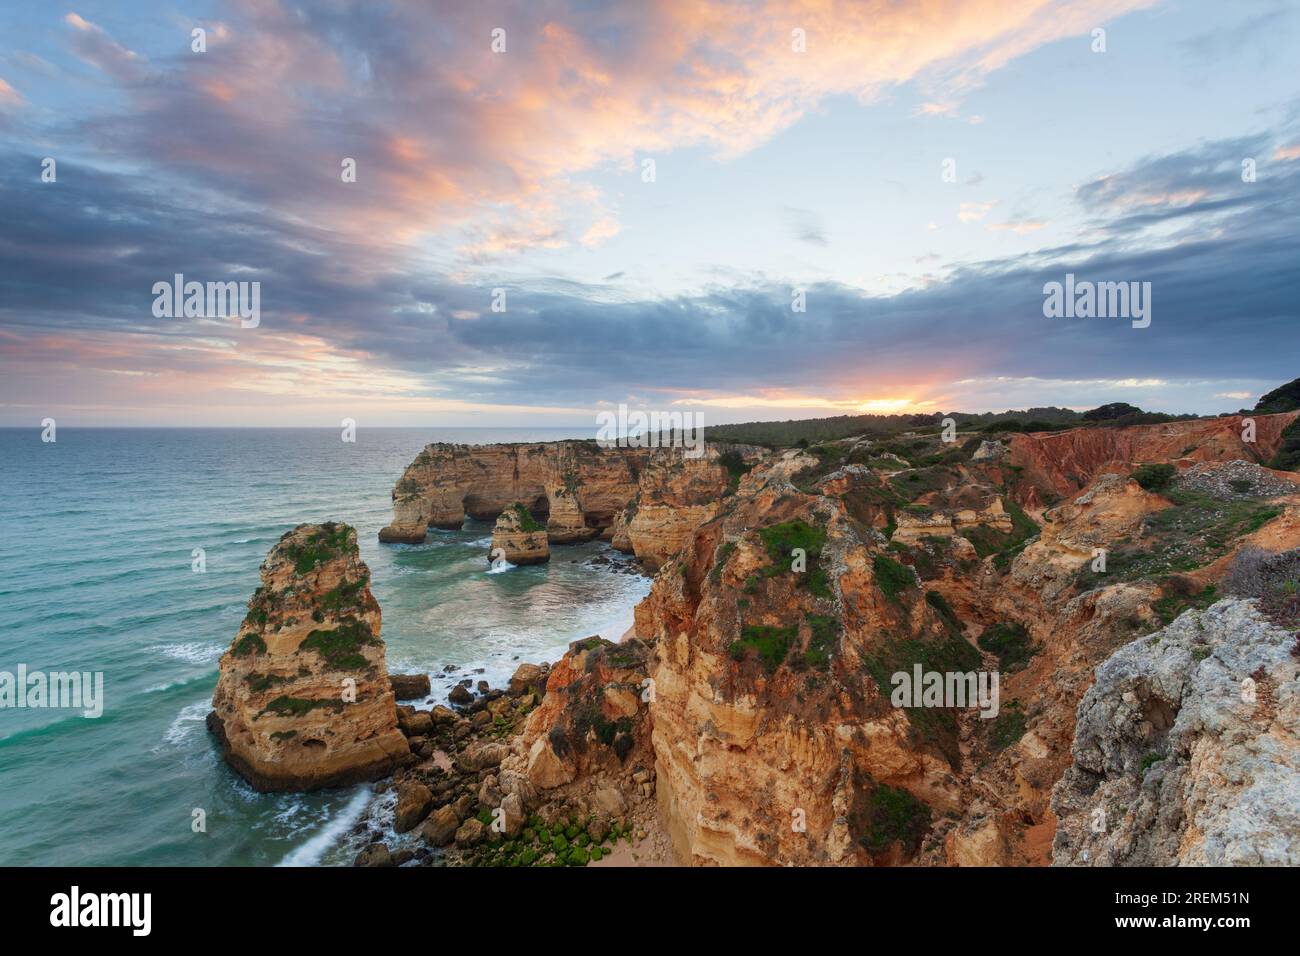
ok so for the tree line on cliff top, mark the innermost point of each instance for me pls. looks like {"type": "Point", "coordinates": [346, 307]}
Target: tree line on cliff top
{"type": "Point", "coordinates": [811, 431]}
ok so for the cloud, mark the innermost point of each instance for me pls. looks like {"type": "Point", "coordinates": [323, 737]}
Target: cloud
{"type": "Point", "coordinates": [76, 272]}
{"type": "Point", "coordinates": [974, 211]}
{"type": "Point", "coordinates": [8, 95]}
{"type": "Point", "coordinates": [101, 51]}
{"type": "Point", "coordinates": [445, 132]}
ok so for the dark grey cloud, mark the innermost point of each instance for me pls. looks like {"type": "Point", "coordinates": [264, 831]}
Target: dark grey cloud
{"type": "Point", "coordinates": [83, 254]}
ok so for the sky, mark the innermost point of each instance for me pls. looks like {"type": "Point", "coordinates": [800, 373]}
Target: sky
{"type": "Point", "coordinates": [747, 210]}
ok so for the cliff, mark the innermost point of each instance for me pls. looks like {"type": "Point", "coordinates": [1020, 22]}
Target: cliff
{"type": "Point", "coordinates": [1059, 463]}
{"type": "Point", "coordinates": [574, 487]}
{"type": "Point", "coordinates": [795, 588]}
{"type": "Point", "coordinates": [775, 737]}
{"type": "Point", "coordinates": [1186, 751]}
{"type": "Point", "coordinates": [643, 500]}
{"type": "Point", "coordinates": [303, 700]}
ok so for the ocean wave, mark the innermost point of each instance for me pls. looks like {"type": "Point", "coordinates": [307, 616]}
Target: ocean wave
{"type": "Point", "coordinates": [183, 726]}
{"type": "Point", "coordinates": [311, 852]}
{"type": "Point", "coordinates": [193, 652]}
{"type": "Point", "coordinates": [501, 568]}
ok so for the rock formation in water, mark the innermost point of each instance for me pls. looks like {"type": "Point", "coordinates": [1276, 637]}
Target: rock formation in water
{"type": "Point", "coordinates": [644, 500]}
{"type": "Point", "coordinates": [757, 703]}
{"type": "Point", "coordinates": [303, 700]}
{"type": "Point", "coordinates": [518, 538]}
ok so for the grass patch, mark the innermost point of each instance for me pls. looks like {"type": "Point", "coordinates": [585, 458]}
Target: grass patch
{"type": "Point", "coordinates": [340, 648]}
{"type": "Point", "coordinates": [249, 644]}
{"type": "Point", "coordinates": [771, 644]}
{"type": "Point", "coordinates": [327, 543]}
{"type": "Point", "coordinates": [1008, 726]}
{"type": "Point", "coordinates": [1178, 594]}
{"type": "Point", "coordinates": [526, 520]}
{"type": "Point", "coordinates": [285, 706]}
{"type": "Point", "coordinates": [891, 577]}
{"type": "Point", "coordinates": [781, 540]}
{"type": "Point", "coordinates": [825, 634]}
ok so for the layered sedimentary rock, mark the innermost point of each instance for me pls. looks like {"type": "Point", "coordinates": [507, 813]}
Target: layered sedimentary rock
{"type": "Point", "coordinates": [794, 586]}
{"type": "Point", "coordinates": [1186, 750]}
{"type": "Point", "coordinates": [584, 484]}
{"type": "Point", "coordinates": [1060, 463]}
{"type": "Point", "coordinates": [774, 740]}
{"type": "Point", "coordinates": [304, 700]}
{"type": "Point", "coordinates": [773, 683]}
{"type": "Point", "coordinates": [644, 500]}
{"type": "Point", "coordinates": [912, 526]}
{"type": "Point", "coordinates": [592, 721]}
{"type": "Point", "coordinates": [518, 538]}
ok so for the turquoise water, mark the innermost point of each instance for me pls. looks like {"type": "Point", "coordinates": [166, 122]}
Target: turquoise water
{"type": "Point", "coordinates": [95, 575]}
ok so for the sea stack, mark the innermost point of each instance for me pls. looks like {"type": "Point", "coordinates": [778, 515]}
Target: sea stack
{"type": "Point", "coordinates": [518, 538]}
{"type": "Point", "coordinates": [303, 700]}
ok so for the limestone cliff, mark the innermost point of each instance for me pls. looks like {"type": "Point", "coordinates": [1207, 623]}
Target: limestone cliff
{"type": "Point", "coordinates": [774, 734]}
{"type": "Point", "coordinates": [303, 700]}
{"type": "Point", "coordinates": [1059, 463]}
{"type": "Point", "coordinates": [1187, 749]}
{"type": "Point", "coordinates": [794, 586]}
{"type": "Point", "coordinates": [583, 484]}
{"type": "Point", "coordinates": [644, 500]}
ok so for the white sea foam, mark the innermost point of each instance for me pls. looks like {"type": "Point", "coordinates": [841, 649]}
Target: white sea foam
{"type": "Point", "coordinates": [501, 568]}
{"type": "Point", "coordinates": [193, 652]}
{"type": "Point", "coordinates": [183, 725]}
{"type": "Point", "coordinates": [311, 852]}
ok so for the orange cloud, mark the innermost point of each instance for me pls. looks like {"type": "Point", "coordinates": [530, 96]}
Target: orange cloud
{"type": "Point", "coordinates": [446, 142]}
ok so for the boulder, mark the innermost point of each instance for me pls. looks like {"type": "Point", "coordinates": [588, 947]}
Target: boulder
{"type": "Point", "coordinates": [527, 677]}
{"type": "Point", "coordinates": [545, 768]}
{"type": "Point", "coordinates": [470, 833]}
{"type": "Point", "coordinates": [440, 828]}
{"type": "Point", "coordinates": [513, 814]}
{"type": "Point", "coordinates": [409, 686]}
{"type": "Point", "coordinates": [377, 854]}
{"type": "Point", "coordinates": [413, 800]}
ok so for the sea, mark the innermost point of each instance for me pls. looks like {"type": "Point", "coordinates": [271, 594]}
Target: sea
{"type": "Point", "coordinates": [99, 546]}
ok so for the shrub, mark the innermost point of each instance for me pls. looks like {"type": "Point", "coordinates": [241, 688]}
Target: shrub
{"type": "Point", "coordinates": [894, 815]}
{"type": "Point", "coordinates": [341, 647]}
{"type": "Point", "coordinates": [1154, 477]}
{"type": "Point", "coordinates": [771, 644]}
{"type": "Point", "coordinates": [1011, 643]}
{"type": "Point", "coordinates": [526, 520]}
{"type": "Point", "coordinates": [891, 577]}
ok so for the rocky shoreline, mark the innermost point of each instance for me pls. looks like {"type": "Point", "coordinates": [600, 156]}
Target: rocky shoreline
{"type": "Point", "coordinates": [747, 719]}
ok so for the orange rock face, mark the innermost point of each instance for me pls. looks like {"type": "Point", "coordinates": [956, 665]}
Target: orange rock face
{"type": "Point", "coordinates": [645, 500]}
{"type": "Point", "coordinates": [304, 699]}
{"type": "Point", "coordinates": [1063, 462]}
{"type": "Point", "coordinates": [775, 734]}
